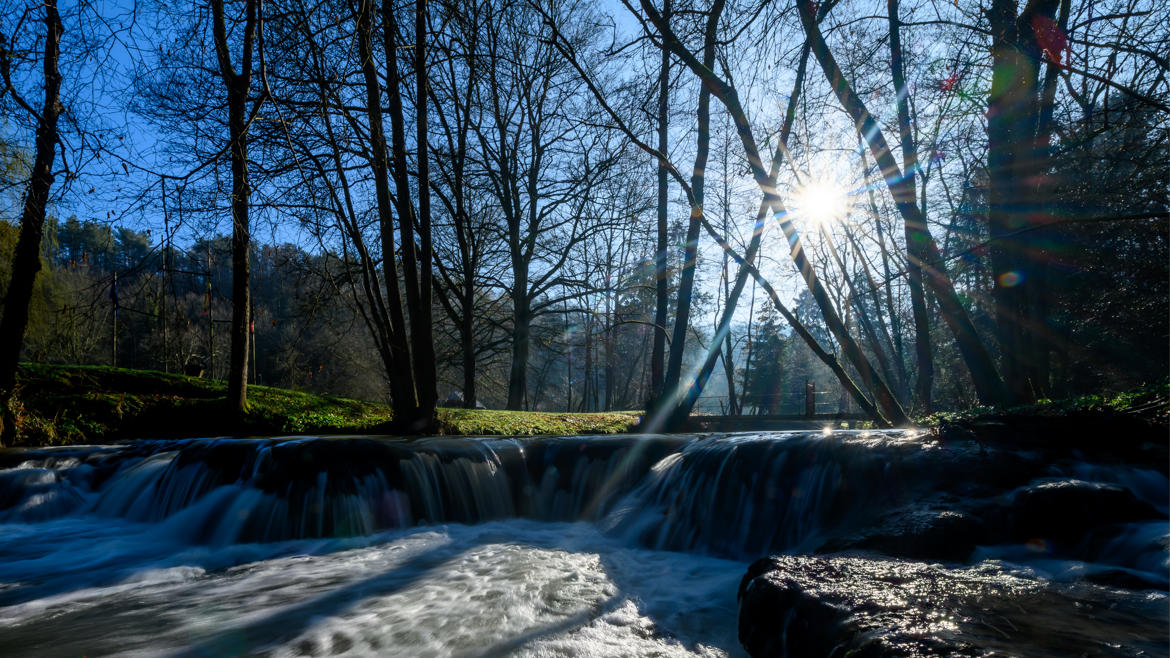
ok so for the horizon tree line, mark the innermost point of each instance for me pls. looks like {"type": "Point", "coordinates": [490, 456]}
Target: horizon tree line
{"type": "Point", "coordinates": [541, 186]}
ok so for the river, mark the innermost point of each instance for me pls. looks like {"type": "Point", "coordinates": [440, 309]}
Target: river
{"type": "Point", "coordinates": [575, 546]}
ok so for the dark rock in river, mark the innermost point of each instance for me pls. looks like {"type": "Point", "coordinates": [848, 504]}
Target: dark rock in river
{"type": "Point", "coordinates": [1065, 510]}
{"type": "Point", "coordinates": [803, 606]}
{"type": "Point", "coordinates": [920, 533]}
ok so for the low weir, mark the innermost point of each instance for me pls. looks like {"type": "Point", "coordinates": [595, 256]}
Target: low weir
{"type": "Point", "coordinates": [108, 520]}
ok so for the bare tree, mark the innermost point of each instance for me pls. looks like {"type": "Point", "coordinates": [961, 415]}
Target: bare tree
{"type": "Point", "coordinates": [727, 94]}
{"type": "Point", "coordinates": [686, 284]}
{"type": "Point", "coordinates": [975, 353]}
{"type": "Point", "coordinates": [917, 234]}
{"type": "Point", "coordinates": [541, 163]}
{"type": "Point", "coordinates": [413, 383]}
{"type": "Point", "coordinates": [661, 287]}
{"type": "Point", "coordinates": [1016, 159]}
{"type": "Point", "coordinates": [459, 277]}
{"type": "Point", "coordinates": [27, 260]}
{"type": "Point", "coordinates": [238, 85]}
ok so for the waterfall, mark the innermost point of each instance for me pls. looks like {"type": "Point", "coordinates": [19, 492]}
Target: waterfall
{"type": "Point", "coordinates": [627, 545]}
{"type": "Point", "coordinates": [735, 496]}
{"type": "Point", "coordinates": [249, 490]}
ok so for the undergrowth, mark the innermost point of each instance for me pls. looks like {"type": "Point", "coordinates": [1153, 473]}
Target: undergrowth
{"type": "Point", "coordinates": [1151, 402]}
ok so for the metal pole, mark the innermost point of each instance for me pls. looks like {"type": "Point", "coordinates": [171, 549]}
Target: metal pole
{"type": "Point", "coordinates": [569, 353]}
{"type": "Point", "coordinates": [252, 339]}
{"type": "Point", "coordinates": [210, 320]}
{"type": "Point", "coordinates": [114, 335]}
{"type": "Point", "coordinates": [165, 274]}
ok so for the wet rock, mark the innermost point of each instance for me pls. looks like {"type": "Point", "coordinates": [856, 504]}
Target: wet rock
{"type": "Point", "coordinates": [803, 606]}
{"type": "Point", "coordinates": [1125, 579]}
{"type": "Point", "coordinates": [1066, 510]}
{"type": "Point", "coordinates": [926, 534]}
{"type": "Point", "coordinates": [1142, 548]}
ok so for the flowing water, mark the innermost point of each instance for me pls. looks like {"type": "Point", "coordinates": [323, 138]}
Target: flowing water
{"type": "Point", "coordinates": [622, 546]}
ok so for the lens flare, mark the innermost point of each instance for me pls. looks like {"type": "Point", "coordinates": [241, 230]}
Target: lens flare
{"type": "Point", "coordinates": [1010, 279]}
{"type": "Point", "coordinates": [821, 202]}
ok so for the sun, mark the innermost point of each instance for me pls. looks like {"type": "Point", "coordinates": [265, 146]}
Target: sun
{"type": "Point", "coordinates": [821, 202]}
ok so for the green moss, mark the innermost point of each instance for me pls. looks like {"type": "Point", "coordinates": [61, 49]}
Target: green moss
{"type": "Point", "coordinates": [57, 405]}
{"type": "Point", "coordinates": [1151, 402]}
{"type": "Point", "coordinates": [514, 423]}
{"type": "Point", "coordinates": [75, 404]}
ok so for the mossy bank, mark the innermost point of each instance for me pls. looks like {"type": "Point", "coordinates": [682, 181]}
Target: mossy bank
{"type": "Point", "coordinates": [59, 405]}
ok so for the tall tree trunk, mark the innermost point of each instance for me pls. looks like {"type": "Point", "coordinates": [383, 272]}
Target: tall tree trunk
{"type": "Point", "coordinates": [610, 366]}
{"type": "Point", "coordinates": [988, 386]}
{"type": "Point", "coordinates": [241, 260]}
{"type": "Point", "coordinates": [411, 408]}
{"type": "Point", "coordinates": [421, 324]}
{"type": "Point", "coordinates": [238, 84]}
{"type": "Point", "coordinates": [1041, 239]}
{"type": "Point", "coordinates": [1015, 164]}
{"type": "Point", "coordinates": [747, 360]}
{"type": "Point", "coordinates": [661, 290]}
{"type": "Point", "coordinates": [916, 232]}
{"type": "Point", "coordinates": [682, 314]}
{"type": "Point", "coordinates": [609, 331]}
{"type": "Point", "coordinates": [734, 404]}
{"type": "Point", "coordinates": [26, 261]}
{"type": "Point", "coordinates": [588, 392]}
{"type": "Point", "coordinates": [467, 344]}
{"type": "Point", "coordinates": [521, 328]}
{"type": "Point", "coordinates": [401, 381]}
{"type": "Point", "coordinates": [729, 373]}
{"type": "Point", "coordinates": [418, 412]}
{"type": "Point", "coordinates": [1006, 128]}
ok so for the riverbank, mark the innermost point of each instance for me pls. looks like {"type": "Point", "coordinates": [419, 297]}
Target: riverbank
{"type": "Point", "coordinates": [63, 405]}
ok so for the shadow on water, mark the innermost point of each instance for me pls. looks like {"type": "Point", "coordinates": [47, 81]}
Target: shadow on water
{"type": "Point", "coordinates": [185, 543]}
{"type": "Point", "coordinates": [624, 568]}
{"type": "Point", "coordinates": [198, 510]}
{"type": "Point", "coordinates": [704, 615]}
{"type": "Point", "coordinates": [290, 621]}
{"type": "Point", "coordinates": [570, 623]}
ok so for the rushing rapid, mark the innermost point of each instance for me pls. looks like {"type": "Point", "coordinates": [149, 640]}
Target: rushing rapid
{"type": "Point", "coordinates": [630, 545]}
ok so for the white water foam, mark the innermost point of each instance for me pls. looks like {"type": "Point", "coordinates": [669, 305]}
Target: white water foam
{"type": "Point", "coordinates": [96, 587]}
{"type": "Point", "coordinates": [150, 553]}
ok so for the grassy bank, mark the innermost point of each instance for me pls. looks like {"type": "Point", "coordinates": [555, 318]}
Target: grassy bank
{"type": "Point", "coordinates": [57, 405]}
